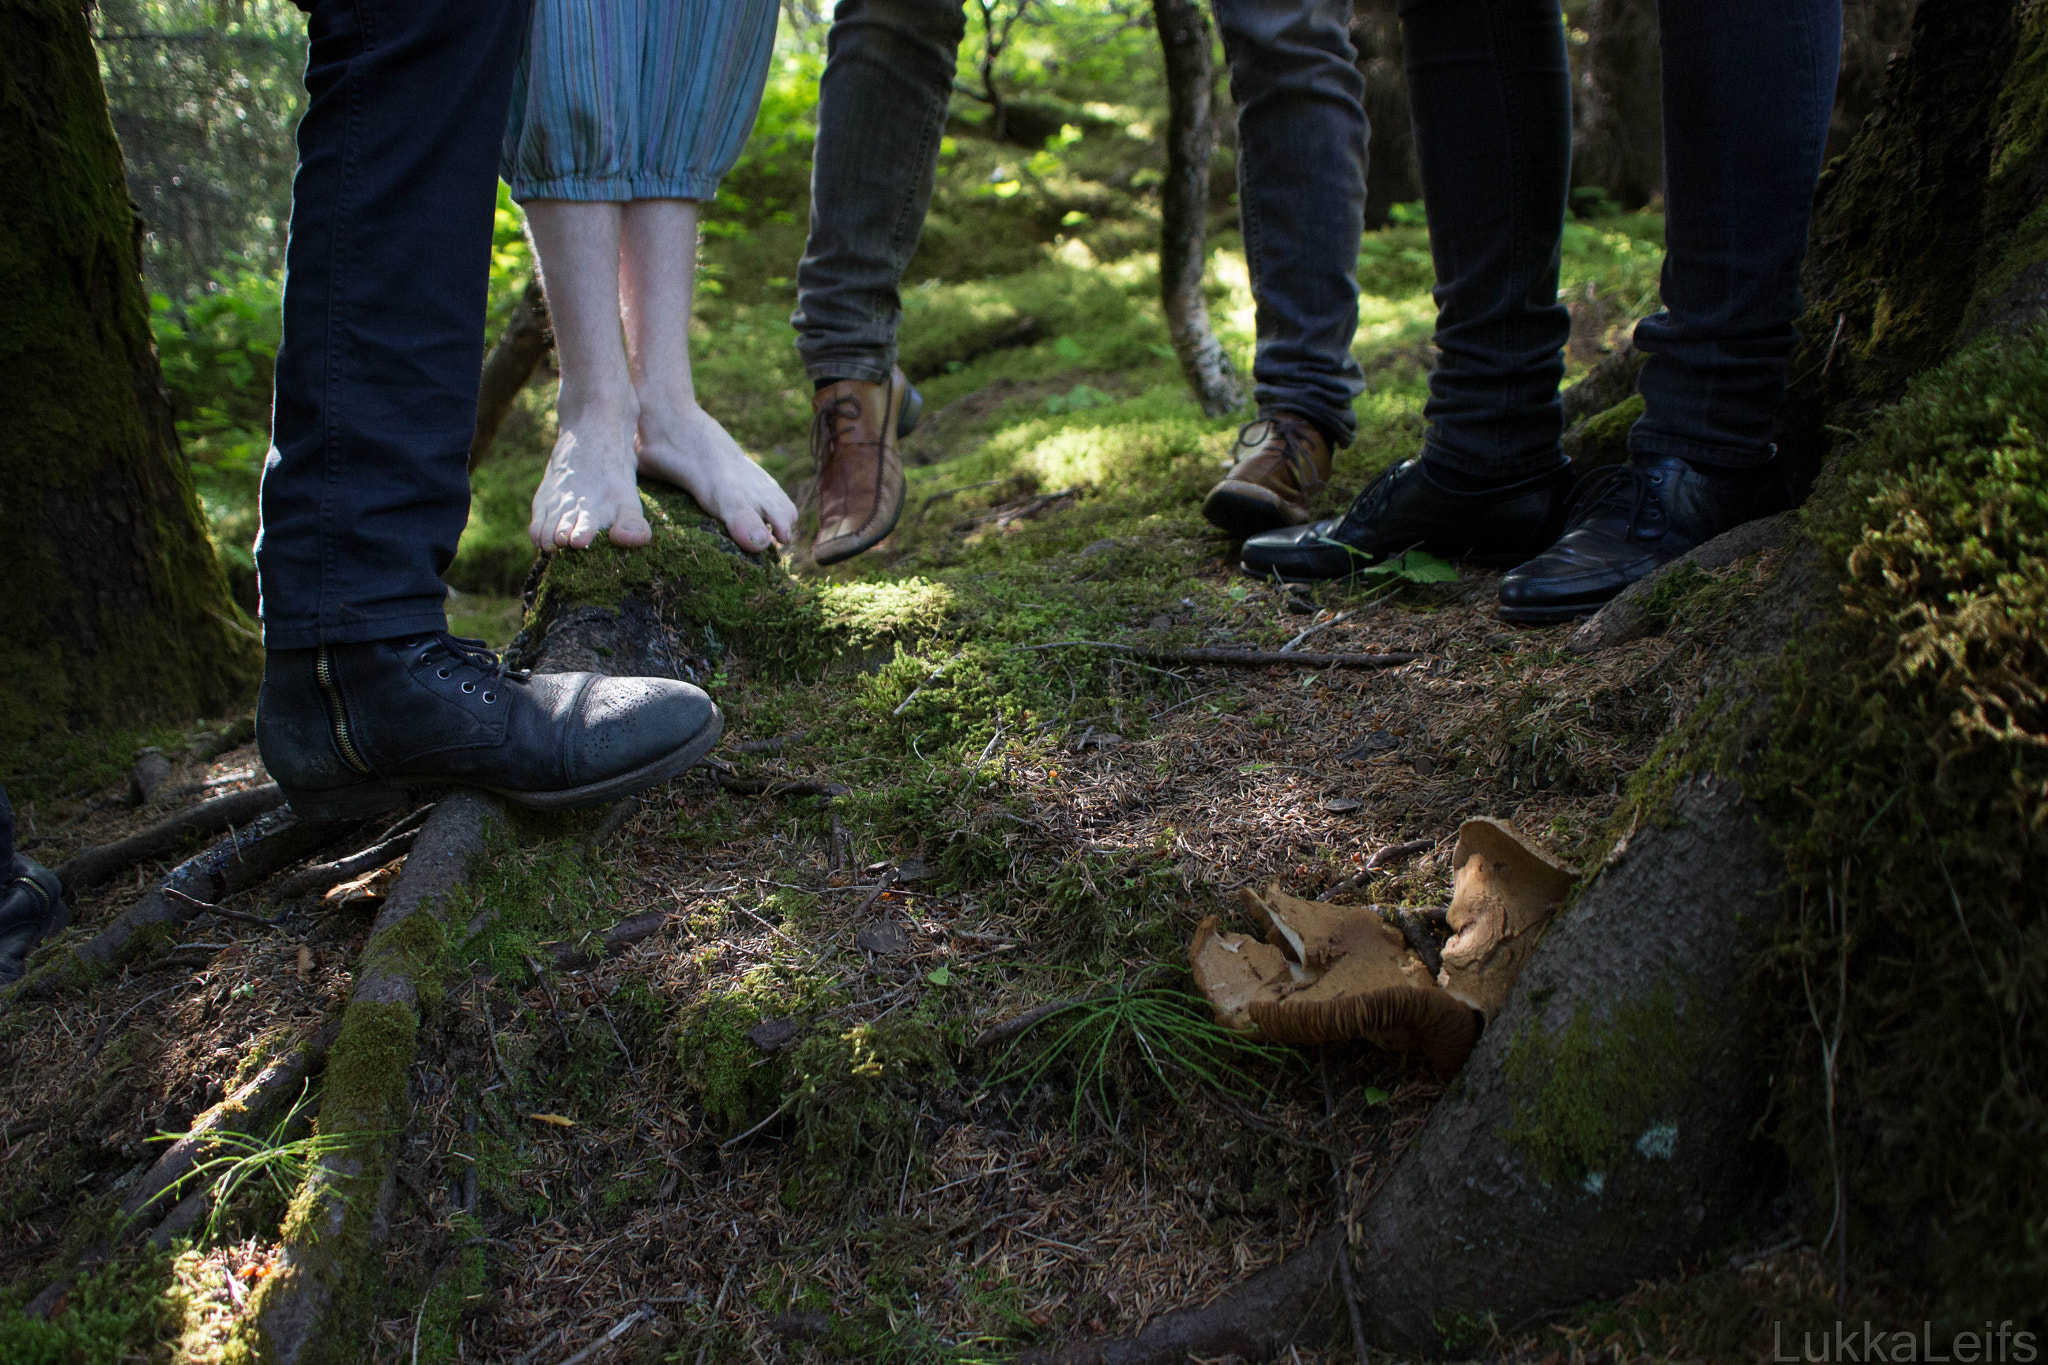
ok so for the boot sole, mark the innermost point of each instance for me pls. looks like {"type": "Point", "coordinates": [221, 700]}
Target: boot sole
{"type": "Point", "coordinates": [375, 798]}
{"type": "Point", "coordinates": [1244, 510]}
{"type": "Point", "coordinates": [1546, 616]}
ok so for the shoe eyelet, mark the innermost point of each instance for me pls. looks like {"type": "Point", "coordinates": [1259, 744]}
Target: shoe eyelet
{"type": "Point", "coordinates": [424, 656]}
{"type": "Point", "coordinates": [490, 697]}
{"type": "Point", "coordinates": [441, 673]}
{"type": "Point", "coordinates": [469, 687]}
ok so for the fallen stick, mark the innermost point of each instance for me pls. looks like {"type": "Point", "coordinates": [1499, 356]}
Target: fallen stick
{"type": "Point", "coordinates": [773, 786]}
{"type": "Point", "coordinates": [322, 877]}
{"type": "Point", "coordinates": [1239, 658]}
{"type": "Point", "coordinates": [569, 958]}
{"type": "Point", "coordinates": [1018, 1024]}
{"type": "Point", "coordinates": [244, 859]}
{"type": "Point", "coordinates": [103, 863]}
{"type": "Point", "coordinates": [330, 1236]}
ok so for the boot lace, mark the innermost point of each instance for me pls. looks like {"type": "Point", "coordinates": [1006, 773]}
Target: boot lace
{"type": "Point", "coordinates": [454, 651]}
{"type": "Point", "coordinates": [1617, 488]}
{"type": "Point", "coordinates": [1294, 449]}
{"type": "Point", "coordinates": [827, 423]}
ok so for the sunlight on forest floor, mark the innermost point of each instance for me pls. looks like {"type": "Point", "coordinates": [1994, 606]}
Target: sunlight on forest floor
{"type": "Point", "coordinates": [781, 1140]}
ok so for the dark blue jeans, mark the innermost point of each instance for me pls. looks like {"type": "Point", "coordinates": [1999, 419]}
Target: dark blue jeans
{"type": "Point", "coordinates": [366, 488]}
{"type": "Point", "coordinates": [1749, 86]}
{"type": "Point", "coordinates": [8, 866]}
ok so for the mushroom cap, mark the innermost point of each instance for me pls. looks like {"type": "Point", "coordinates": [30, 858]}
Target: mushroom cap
{"type": "Point", "coordinates": [1234, 970]}
{"type": "Point", "coordinates": [1410, 1014]}
{"type": "Point", "coordinates": [1316, 934]}
{"type": "Point", "coordinates": [1504, 890]}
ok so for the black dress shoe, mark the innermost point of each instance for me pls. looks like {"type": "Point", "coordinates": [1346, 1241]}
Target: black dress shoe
{"type": "Point", "coordinates": [31, 909]}
{"type": "Point", "coordinates": [1404, 509]}
{"type": "Point", "coordinates": [1626, 521]}
{"type": "Point", "coordinates": [346, 729]}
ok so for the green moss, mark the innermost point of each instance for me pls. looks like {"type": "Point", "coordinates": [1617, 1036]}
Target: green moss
{"type": "Point", "coordinates": [856, 1097]}
{"type": "Point", "coordinates": [127, 1307]}
{"type": "Point", "coordinates": [1597, 1088]}
{"type": "Point", "coordinates": [1602, 439]}
{"type": "Point", "coordinates": [722, 1067]}
{"type": "Point", "coordinates": [1907, 772]}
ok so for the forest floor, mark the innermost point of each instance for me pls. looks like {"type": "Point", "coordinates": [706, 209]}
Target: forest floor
{"type": "Point", "coordinates": [777, 1128]}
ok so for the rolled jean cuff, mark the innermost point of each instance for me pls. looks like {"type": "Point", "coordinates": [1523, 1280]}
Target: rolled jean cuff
{"type": "Point", "coordinates": [355, 632]}
{"type": "Point", "coordinates": [1700, 456]}
{"type": "Point", "coordinates": [1341, 424]}
{"type": "Point", "coordinates": [867, 370]}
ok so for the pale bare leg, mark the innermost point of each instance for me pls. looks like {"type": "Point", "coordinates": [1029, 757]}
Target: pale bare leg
{"type": "Point", "coordinates": [589, 485]}
{"type": "Point", "coordinates": [678, 440]}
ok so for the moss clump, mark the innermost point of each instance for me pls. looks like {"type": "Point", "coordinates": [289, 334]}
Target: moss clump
{"type": "Point", "coordinates": [856, 1097]}
{"type": "Point", "coordinates": [722, 1067]}
{"type": "Point", "coordinates": [701, 583]}
{"type": "Point", "coordinates": [132, 1299]}
{"type": "Point", "coordinates": [1908, 774]}
{"type": "Point", "coordinates": [1602, 439]}
{"type": "Point", "coordinates": [1587, 1094]}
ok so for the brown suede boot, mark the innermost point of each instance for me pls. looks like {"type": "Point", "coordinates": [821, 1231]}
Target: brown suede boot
{"type": "Point", "coordinates": [854, 428]}
{"type": "Point", "coordinates": [1281, 463]}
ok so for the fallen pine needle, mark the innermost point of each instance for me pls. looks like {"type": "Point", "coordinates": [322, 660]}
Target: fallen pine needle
{"type": "Point", "coordinates": [556, 1119]}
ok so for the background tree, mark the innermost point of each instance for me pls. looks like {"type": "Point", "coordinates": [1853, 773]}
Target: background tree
{"type": "Point", "coordinates": [1185, 42]}
{"type": "Point", "coordinates": [119, 610]}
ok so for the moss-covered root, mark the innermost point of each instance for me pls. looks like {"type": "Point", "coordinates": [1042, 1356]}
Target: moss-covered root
{"type": "Point", "coordinates": [276, 841]}
{"type": "Point", "coordinates": [324, 1265]}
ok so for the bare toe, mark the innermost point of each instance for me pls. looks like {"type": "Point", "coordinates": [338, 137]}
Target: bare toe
{"type": "Point", "coordinates": [629, 524]}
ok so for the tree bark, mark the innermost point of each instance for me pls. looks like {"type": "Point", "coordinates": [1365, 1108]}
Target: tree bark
{"type": "Point", "coordinates": [118, 610]}
{"type": "Point", "coordinates": [1183, 204]}
{"type": "Point", "coordinates": [509, 366]}
{"type": "Point", "coordinates": [1619, 141]}
{"type": "Point", "coordinates": [1392, 175]}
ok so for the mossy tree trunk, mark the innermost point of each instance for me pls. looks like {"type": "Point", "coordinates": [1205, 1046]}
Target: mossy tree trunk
{"type": "Point", "coordinates": [117, 608]}
{"type": "Point", "coordinates": [1618, 144]}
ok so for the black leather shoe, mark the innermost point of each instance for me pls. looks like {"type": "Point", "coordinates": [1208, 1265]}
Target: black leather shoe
{"type": "Point", "coordinates": [31, 909]}
{"type": "Point", "coordinates": [1404, 509]}
{"type": "Point", "coordinates": [1626, 521]}
{"type": "Point", "coordinates": [346, 729]}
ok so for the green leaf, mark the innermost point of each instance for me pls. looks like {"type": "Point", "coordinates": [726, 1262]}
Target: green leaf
{"type": "Point", "coordinates": [1375, 1095]}
{"type": "Point", "coordinates": [941, 975]}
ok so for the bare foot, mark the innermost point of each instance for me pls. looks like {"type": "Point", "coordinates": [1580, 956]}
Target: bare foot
{"type": "Point", "coordinates": [589, 486]}
{"type": "Point", "coordinates": [684, 444]}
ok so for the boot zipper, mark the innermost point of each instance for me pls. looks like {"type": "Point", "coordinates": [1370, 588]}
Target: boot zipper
{"type": "Point", "coordinates": [337, 713]}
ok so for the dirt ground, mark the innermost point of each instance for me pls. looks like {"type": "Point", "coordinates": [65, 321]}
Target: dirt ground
{"type": "Point", "coordinates": [617, 1155]}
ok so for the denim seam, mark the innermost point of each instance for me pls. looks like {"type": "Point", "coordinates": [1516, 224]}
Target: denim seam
{"type": "Point", "coordinates": [328, 613]}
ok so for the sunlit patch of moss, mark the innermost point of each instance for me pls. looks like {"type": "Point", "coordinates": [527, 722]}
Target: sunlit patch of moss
{"type": "Point", "coordinates": [133, 1305]}
{"type": "Point", "coordinates": [855, 1097]}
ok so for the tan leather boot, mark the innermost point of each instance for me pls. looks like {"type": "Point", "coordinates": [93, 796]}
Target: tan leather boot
{"type": "Point", "coordinates": [854, 427]}
{"type": "Point", "coordinates": [1279, 465]}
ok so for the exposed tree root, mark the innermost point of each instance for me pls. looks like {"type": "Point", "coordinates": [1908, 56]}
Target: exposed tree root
{"type": "Point", "coordinates": [248, 1108]}
{"type": "Point", "coordinates": [321, 877]}
{"type": "Point", "coordinates": [1240, 658]}
{"type": "Point", "coordinates": [102, 864]}
{"type": "Point", "coordinates": [244, 859]}
{"type": "Point", "coordinates": [1297, 1302]}
{"type": "Point", "coordinates": [335, 1219]}
{"type": "Point", "coordinates": [570, 957]}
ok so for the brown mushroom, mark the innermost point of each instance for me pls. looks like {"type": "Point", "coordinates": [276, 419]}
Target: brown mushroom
{"type": "Point", "coordinates": [1316, 934]}
{"type": "Point", "coordinates": [1503, 891]}
{"type": "Point", "coordinates": [1234, 970]}
{"type": "Point", "coordinates": [1388, 1001]}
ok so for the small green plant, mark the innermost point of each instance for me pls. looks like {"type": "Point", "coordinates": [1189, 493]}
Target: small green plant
{"type": "Point", "coordinates": [270, 1158]}
{"type": "Point", "coordinates": [1147, 1030]}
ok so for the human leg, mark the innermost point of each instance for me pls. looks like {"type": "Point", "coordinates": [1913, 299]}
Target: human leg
{"type": "Point", "coordinates": [589, 485]}
{"type": "Point", "coordinates": [1490, 90]}
{"type": "Point", "coordinates": [678, 440]}
{"type": "Point", "coordinates": [366, 489]}
{"type": "Point", "coordinates": [1301, 135]}
{"type": "Point", "coordinates": [1748, 94]}
{"type": "Point", "coordinates": [881, 112]}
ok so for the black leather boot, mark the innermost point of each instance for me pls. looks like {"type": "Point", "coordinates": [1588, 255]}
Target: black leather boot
{"type": "Point", "coordinates": [1628, 520]}
{"type": "Point", "coordinates": [31, 909]}
{"type": "Point", "coordinates": [1404, 509]}
{"type": "Point", "coordinates": [346, 729]}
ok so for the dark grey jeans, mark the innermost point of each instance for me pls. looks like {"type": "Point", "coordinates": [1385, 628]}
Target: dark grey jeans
{"type": "Point", "coordinates": [1301, 138]}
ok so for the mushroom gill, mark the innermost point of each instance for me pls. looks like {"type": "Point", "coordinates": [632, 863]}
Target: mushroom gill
{"type": "Point", "coordinates": [1503, 891]}
{"type": "Point", "coordinates": [1387, 1000]}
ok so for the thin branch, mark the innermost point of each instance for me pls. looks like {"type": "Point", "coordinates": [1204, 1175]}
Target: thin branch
{"type": "Point", "coordinates": [1240, 658]}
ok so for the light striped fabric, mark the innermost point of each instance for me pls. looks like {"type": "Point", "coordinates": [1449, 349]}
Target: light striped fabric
{"type": "Point", "coordinates": [635, 99]}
